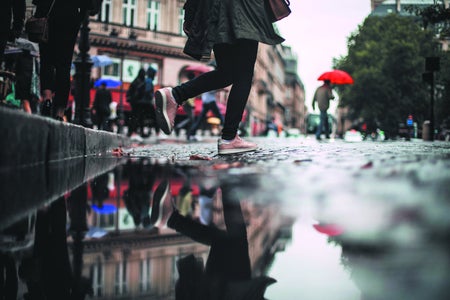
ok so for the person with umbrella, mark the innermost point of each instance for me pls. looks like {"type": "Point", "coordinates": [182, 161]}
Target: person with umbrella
{"type": "Point", "coordinates": [322, 96]}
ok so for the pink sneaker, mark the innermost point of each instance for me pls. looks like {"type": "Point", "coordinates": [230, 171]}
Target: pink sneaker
{"type": "Point", "coordinates": [162, 206]}
{"type": "Point", "coordinates": [166, 109]}
{"type": "Point", "coordinates": [237, 145]}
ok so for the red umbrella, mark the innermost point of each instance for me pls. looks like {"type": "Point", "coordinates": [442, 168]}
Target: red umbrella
{"type": "Point", "coordinates": [198, 69]}
{"type": "Point", "coordinates": [337, 77]}
{"type": "Point", "coordinates": [329, 229]}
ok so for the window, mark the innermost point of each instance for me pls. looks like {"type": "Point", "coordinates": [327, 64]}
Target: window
{"type": "Point", "coordinates": [113, 69]}
{"type": "Point", "coordinates": [105, 14]}
{"type": "Point", "coordinates": [129, 12]}
{"type": "Point", "coordinates": [144, 279]}
{"type": "Point", "coordinates": [97, 278]}
{"type": "Point", "coordinates": [180, 21]}
{"type": "Point", "coordinates": [153, 15]}
{"type": "Point", "coordinates": [121, 280]}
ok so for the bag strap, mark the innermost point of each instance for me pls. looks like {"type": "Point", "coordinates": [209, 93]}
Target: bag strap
{"type": "Point", "coordinates": [51, 7]}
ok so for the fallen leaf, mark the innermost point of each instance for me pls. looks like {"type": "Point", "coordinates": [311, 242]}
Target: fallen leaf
{"type": "Point", "coordinates": [117, 151]}
{"type": "Point", "coordinates": [199, 157]}
{"type": "Point", "coordinates": [368, 165]}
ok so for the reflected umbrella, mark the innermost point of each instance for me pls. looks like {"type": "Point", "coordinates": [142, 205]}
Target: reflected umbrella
{"type": "Point", "coordinates": [96, 232]}
{"type": "Point", "coordinates": [329, 229]}
{"type": "Point", "coordinates": [105, 209]}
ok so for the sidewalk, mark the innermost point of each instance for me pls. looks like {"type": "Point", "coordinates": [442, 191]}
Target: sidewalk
{"type": "Point", "coordinates": [31, 139]}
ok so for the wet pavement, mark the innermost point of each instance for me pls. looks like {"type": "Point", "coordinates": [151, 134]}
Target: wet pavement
{"type": "Point", "coordinates": [297, 219]}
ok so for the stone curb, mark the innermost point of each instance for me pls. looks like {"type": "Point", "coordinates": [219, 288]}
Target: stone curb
{"type": "Point", "coordinates": [32, 139]}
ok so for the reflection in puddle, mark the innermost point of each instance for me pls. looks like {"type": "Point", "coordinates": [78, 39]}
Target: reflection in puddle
{"type": "Point", "coordinates": [144, 230]}
{"type": "Point", "coordinates": [132, 228]}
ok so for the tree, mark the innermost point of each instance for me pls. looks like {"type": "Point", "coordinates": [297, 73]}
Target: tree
{"type": "Point", "coordinates": [386, 59]}
{"type": "Point", "coordinates": [437, 18]}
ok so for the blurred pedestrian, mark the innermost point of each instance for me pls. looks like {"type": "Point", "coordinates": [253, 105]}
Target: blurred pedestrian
{"type": "Point", "coordinates": [148, 106]}
{"type": "Point", "coordinates": [12, 18]}
{"type": "Point", "coordinates": [232, 29]}
{"type": "Point", "coordinates": [322, 96]}
{"type": "Point", "coordinates": [208, 104]}
{"type": "Point", "coordinates": [56, 54]}
{"type": "Point", "coordinates": [189, 109]}
{"type": "Point", "coordinates": [101, 106]}
{"type": "Point", "coordinates": [136, 97]}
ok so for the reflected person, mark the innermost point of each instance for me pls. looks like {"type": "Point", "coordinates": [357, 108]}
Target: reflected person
{"type": "Point", "coordinates": [139, 193]}
{"type": "Point", "coordinates": [47, 273]}
{"type": "Point", "coordinates": [227, 274]}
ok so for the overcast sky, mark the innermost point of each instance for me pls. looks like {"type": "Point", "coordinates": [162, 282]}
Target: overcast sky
{"type": "Point", "coordinates": [317, 30]}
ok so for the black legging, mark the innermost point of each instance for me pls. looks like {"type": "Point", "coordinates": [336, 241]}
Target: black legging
{"type": "Point", "coordinates": [235, 65]}
{"type": "Point", "coordinates": [56, 54]}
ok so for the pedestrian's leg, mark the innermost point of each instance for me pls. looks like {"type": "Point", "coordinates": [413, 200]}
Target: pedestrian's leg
{"type": "Point", "coordinates": [319, 127]}
{"type": "Point", "coordinates": [199, 121]}
{"type": "Point", "coordinates": [215, 109]}
{"type": "Point", "coordinates": [244, 56]}
{"type": "Point", "coordinates": [65, 38]}
{"type": "Point", "coordinates": [190, 115]}
{"type": "Point", "coordinates": [326, 125]}
{"type": "Point", "coordinates": [237, 232]}
{"type": "Point", "coordinates": [141, 119]}
{"type": "Point", "coordinates": [3, 42]}
{"type": "Point", "coordinates": [47, 70]}
{"type": "Point", "coordinates": [132, 120]}
{"type": "Point", "coordinates": [219, 78]}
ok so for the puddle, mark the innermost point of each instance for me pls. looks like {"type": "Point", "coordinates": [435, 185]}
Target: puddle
{"type": "Point", "coordinates": [128, 228]}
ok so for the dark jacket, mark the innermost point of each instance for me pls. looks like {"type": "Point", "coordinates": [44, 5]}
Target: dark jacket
{"type": "Point", "coordinates": [102, 101]}
{"type": "Point", "coordinates": [136, 91]}
{"type": "Point", "coordinates": [210, 22]}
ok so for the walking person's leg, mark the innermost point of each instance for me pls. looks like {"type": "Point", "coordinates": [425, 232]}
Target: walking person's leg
{"type": "Point", "coordinates": [200, 119]}
{"type": "Point", "coordinates": [320, 126]}
{"type": "Point", "coordinates": [215, 109]}
{"type": "Point", "coordinates": [326, 125]}
{"type": "Point", "coordinates": [65, 37]}
{"type": "Point", "coordinates": [132, 120]}
{"type": "Point", "coordinates": [168, 99]}
{"type": "Point", "coordinates": [47, 75]}
{"type": "Point", "coordinates": [244, 55]}
{"type": "Point", "coordinates": [141, 119]}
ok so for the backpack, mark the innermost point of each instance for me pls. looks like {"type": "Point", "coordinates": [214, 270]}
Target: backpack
{"type": "Point", "coordinates": [149, 90]}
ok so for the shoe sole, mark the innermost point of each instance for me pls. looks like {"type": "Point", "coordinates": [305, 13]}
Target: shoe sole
{"type": "Point", "coordinates": [161, 112]}
{"type": "Point", "coordinates": [158, 206]}
{"type": "Point", "coordinates": [235, 151]}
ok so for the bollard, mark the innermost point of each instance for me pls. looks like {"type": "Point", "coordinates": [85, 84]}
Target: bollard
{"type": "Point", "coordinates": [426, 133]}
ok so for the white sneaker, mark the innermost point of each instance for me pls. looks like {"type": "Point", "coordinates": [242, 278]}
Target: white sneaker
{"type": "Point", "coordinates": [166, 109]}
